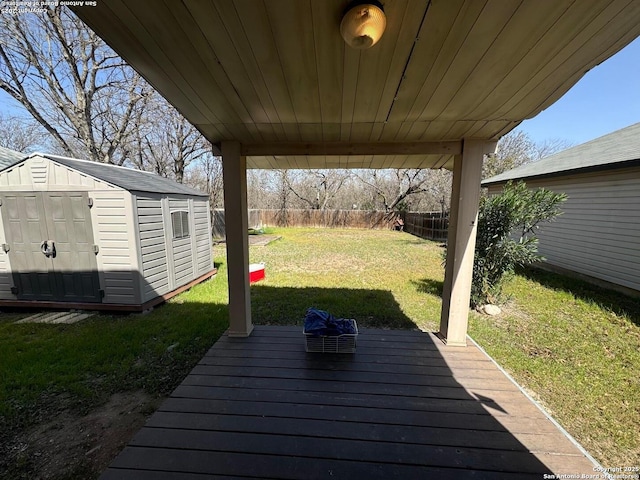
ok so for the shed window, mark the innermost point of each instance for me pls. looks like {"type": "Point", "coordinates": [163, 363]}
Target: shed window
{"type": "Point", "coordinates": [180, 224]}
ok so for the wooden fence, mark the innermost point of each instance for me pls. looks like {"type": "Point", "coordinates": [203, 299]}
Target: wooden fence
{"type": "Point", "coordinates": [217, 222]}
{"type": "Point", "coordinates": [429, 225]}
{"type": "Point", "coordinates": [425, 225]}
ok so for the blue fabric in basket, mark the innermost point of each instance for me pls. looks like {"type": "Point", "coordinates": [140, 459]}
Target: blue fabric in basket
{"type": "Point", "coordinates": [321, 323]}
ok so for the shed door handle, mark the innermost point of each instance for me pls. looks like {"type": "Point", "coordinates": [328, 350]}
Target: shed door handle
{"type": "Point", "coordinates": [48, 248]}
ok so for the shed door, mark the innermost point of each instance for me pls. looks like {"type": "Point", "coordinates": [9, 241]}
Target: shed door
{"type": "Point", "coordinates": [71, 274]}
{"type": "Point", "coordinates": [25, 227]}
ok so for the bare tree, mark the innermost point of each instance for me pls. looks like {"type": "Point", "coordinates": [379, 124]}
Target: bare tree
{"type": "Point", "coordinates": [71, 83]}
{"type": "Point", "coordinates": [515, 149]}
{"type": "Point", "coordinates": [388, 190]}
{"type": "Point", "coordinates": [206, 175]}
{"type": "Point", "coordinates": [264, 188]}
{"type": "Point", "coordinates": [283, 197]}
{"type": "Point", "coordinates": [20, 135]}
{"type": "Point", "coordinates": [317, 188]}
{"type": "Point", "coordinates": [165, 142]}
{"type": "Point", "coordinates": [437, 196]}
{"type": "Point", "coordinates": [393, 187]}
{"type": "Point", "coordinates": [550, 147]}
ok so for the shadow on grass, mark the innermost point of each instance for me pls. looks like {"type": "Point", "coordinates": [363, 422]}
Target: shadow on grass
{"type": "Point", "coordinates": [54, 367]}
{"type": "Point", "coordinates": [429, 285]}
{"type": "Point", "coordinates": [413, 241]}
{"type": "Point", "coordinates": [46, 369]}
{"type": "Point", "coordinates": [422, 241]}
{"type": "Point", "coordinates": [287, 306]}
{"type": "Point", "coordinates": [620, 304]}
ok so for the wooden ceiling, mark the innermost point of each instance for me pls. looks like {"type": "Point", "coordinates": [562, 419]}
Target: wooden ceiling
{"type": "Point", "coordinates": [277, 76]}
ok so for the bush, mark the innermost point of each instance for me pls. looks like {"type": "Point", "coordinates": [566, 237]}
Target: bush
{"type": "Point", "coordinates": [506, 236]}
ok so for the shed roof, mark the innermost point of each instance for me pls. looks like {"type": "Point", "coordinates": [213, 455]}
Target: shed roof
{"type": "Point", "coordinates": [9, 157]}
{"type": "Point", "coordinates": [612, 150]}
{"type": "Point", "coordinates": [127, 178]}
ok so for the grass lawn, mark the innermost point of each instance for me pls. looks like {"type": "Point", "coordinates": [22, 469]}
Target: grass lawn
{"type": "Point", "coordinates": [380, 278]}
{"type": "Point", "coordinates": [575, 347]}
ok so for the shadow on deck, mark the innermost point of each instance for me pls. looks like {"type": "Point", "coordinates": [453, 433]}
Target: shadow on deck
{"type": "Point", "coordinates": [403, 406]}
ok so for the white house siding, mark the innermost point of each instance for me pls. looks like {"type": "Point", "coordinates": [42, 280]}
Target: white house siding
{"type": "Point", "coordinates": [117, 258]}
{"type": "Point", "coordinates": [598, 234]}
{"type": "Point", "coordinates": [202, 238]}
{"type": "Point", "coordinates": [182, 254]}
{"type": "Point", "coordinates": [153, 247]}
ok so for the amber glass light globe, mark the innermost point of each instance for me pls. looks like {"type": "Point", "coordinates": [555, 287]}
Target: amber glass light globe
{"type": "Point", "coordinates": [363, 25]}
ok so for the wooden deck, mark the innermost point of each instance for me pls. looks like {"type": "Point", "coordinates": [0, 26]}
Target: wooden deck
{"type": "Point", "coordinates": [404, 406]}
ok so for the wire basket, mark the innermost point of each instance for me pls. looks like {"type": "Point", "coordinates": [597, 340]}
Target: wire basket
{"type": "Point", "coordinates": [345, 343]}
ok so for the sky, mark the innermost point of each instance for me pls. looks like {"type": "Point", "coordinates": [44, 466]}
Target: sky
{"type": "Point", "coordinates": [606, 99]}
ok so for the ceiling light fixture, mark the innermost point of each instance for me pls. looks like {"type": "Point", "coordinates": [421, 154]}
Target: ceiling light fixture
{"type": "Point", "coordinates": [363, 24]}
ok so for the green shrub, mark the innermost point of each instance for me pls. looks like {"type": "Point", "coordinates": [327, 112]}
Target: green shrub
{"type": "Point", "coordinates": [506, 235]}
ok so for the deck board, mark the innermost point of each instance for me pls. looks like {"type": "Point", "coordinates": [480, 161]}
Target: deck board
{"type": "Point", "coordinates": [403, 406]}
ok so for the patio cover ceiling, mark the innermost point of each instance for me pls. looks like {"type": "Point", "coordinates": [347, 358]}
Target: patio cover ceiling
{"type": "Point", "coordinates": [276, 75]}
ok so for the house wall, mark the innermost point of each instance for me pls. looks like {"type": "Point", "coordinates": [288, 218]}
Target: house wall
{"type": "Point", "coordinates": [111, 218]}
{"type": "Point", "coordinates": [598, 234]}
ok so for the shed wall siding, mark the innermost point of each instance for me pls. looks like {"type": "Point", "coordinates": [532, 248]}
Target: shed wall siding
{"type": "Point", "coordinates": [6, 282]}
{"type": "Point", "coordinates": [169, 263]}
{"type": "Point", "coordinates": [599, 232]}
{"type": "Point", "coordinates": [153, 247]}
{"type": "Point", "coordinates": [202, 237]}
{"type": "Point", "coordinates": [113, 229]}
{"type": "Point", "coordinates": [182, 254]}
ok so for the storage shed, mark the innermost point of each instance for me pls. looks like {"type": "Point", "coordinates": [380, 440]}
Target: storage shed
{"type": "Point", "coordinates": [92, 235]}
{"type": "Point", "coordinates": [598, 235]}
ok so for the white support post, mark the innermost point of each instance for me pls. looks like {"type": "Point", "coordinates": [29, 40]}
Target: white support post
{"type": "Point", "coordinates": [234, 173]}
{"type": "Point", "coordinates": [461, 241]}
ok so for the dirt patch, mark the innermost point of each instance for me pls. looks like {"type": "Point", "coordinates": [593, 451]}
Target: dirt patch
{"type": "Point", "coordinates": [79, 447]}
